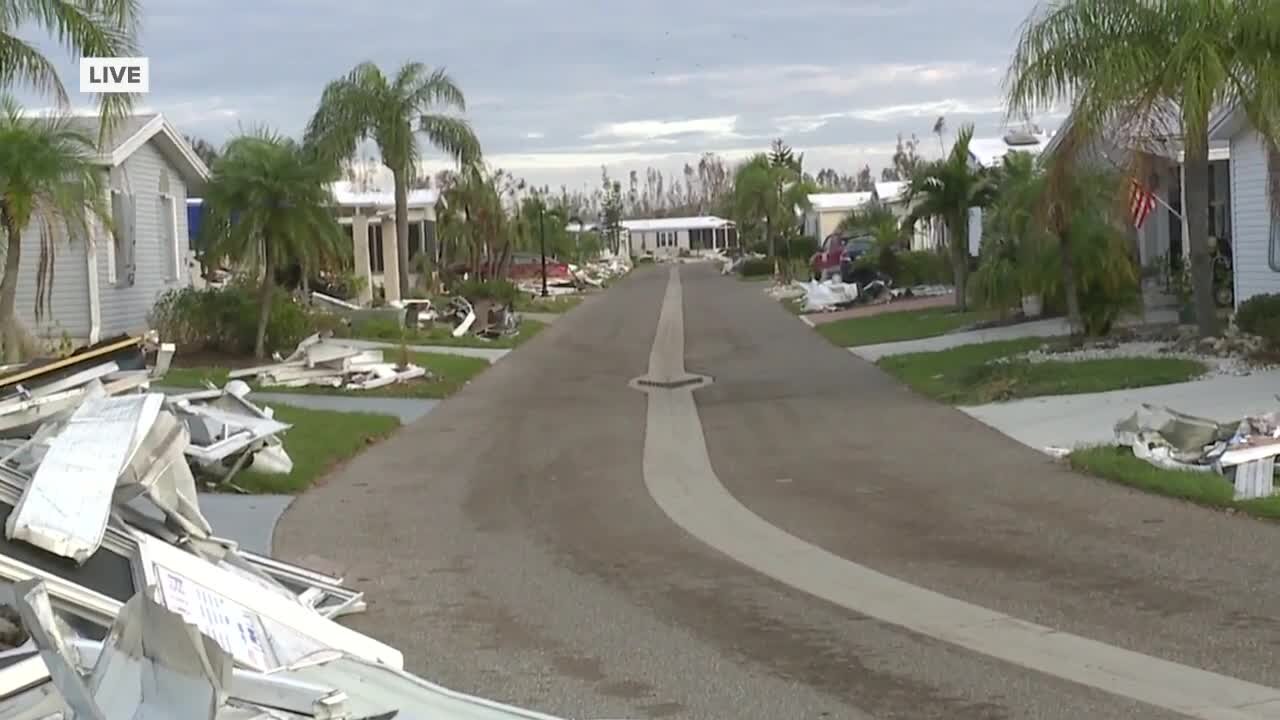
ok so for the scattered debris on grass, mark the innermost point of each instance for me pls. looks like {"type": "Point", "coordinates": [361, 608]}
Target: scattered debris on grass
{"type": "Point", "coordinates": [331, 363]}
{"type": "Point", "coordinates": [1243, 452]}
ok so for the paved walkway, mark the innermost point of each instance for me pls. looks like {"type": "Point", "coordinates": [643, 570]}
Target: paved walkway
{"type": "Point", "coordinates": [490, 354]}
{"type": "Point", "coordinates": [527, 542]}
{"type": "Point", "coordinates": [1052, 327]}
{"type": "Point", "coordinates": [407, 409]}
{"type": "Point", "coordinates": [1074, 420]}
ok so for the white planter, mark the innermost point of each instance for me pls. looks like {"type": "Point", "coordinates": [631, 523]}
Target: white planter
{"type": "Point", "coordinates": [1032, 305]}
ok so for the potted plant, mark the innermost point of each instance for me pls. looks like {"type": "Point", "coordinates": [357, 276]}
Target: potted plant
{"type": "Point", "coordinates": [1037, 272]}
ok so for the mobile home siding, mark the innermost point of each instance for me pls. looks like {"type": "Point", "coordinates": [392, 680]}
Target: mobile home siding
{"type": "Point", "coordinates": [68, 310]}
{"type": "Point", "coordinates": [1251, 218]}
{"type": "Point", "coordinates": [125, 308]}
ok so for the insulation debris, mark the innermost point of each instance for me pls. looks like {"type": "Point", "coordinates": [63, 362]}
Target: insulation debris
{"type": "Point", "coordinates": [828, 296]}
{"type": "Point", "coordinates": [330, 363]}
{"type": "Point", "coordinates": [1243, 452]}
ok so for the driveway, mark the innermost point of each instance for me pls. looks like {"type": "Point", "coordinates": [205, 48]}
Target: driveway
{"type": "Point", "coordinates": [801, 538]}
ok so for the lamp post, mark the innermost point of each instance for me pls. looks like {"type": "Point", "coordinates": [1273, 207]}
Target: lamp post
{"type": "Point", "coordinates": [542, 246]}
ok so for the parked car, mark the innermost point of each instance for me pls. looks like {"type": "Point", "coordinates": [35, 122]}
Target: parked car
{"type": "Point", "coordinates": [854, 249]}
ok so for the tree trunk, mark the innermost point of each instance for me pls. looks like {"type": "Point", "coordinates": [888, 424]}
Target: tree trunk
{"type": "Point", "coordinates": [1074, 318]}
{"type": "Point", "coordinates": [1197, 214]}
{"type": "Point", "coordinates": [264, 301]}
{"type": "Point", "coordinates": [9, 291]}
{"type": "Point", "coordinates": [402, 229]}
{"type": "Point", "coordinates": [958, 228]}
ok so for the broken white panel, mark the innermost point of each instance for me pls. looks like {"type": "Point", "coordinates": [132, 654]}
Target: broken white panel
{"type": "Point", "coordinates": [153, 664]}
{"type": "Point", "coordinates": [325, 352]}
{"type": "Point", "coordinates": [467, 322]}
{"type": "Point", "coordinates": [164, 359]}
{"type": "Point", "coordinates": [388, 374]}
{"type": "Point", "coordinates": [1255, 479]}
{"type": "Point", "coordinates": [40, 702]}
{"type": "Point", "coordinates": [336, 302]}
{"type": "Point", "coordinates": [233, 431]}
{"type": "Point", "coordinates": [377, 691]}
{"type": "Point", "coordinates": [31, 599]}
{"type": "Point", "coordinates": [65, 507]}
{"type": "Point", "coordinates": [159, 471]}
{"type": "Point", "coordinates": [272, 459]}
{"type": "Point", "coordinates": [229, 608]}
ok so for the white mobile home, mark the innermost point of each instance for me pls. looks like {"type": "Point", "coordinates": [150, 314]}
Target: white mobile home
{"type": "Point", "coordinates": [107, 284]}
{"type": "Point", "coordinates": [665, 237]}
{"type": "Point", "coordinates": [1254, 211]}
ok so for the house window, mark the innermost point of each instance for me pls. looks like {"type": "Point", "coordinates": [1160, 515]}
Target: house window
{"type": "Point", "coordinates": [168, 224]}
{"type": "Point", "coordinates": [375, 248]}
{"type": "Point", "coordinates": [124, 216]}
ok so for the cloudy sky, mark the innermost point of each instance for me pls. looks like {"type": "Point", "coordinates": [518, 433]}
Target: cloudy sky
{"type": "Point", "coordinates": [557, 88]}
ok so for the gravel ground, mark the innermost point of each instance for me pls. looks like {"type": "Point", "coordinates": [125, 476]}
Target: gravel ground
{"type": "Point", "coordinates": [1218, 365]}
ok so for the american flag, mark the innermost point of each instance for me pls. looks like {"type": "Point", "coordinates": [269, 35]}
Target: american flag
{"type": "Point", "coordinates": [1142, 202]}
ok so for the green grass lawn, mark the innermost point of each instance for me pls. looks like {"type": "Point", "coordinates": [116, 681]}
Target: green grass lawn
{"type": "Point", "coordinates": [554, 304]}
{"type": "Point", "coordinates": [1210, 489]}
{"type": "Point", "coordinates": [319, 441]}
{"type": "Point", "coordinates": [966, 376]}
{"type": "Point", "coordinates": [450, 373]}
{"type": "Point", "coordinates": [898, 326]}
{"type": "Point", "coordinates": [391, 332]}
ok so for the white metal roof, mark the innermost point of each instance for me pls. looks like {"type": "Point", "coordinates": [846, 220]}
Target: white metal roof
{"type": "Point", "coordinates": [839, 201]}
{"type": "Point", "coordinates": [348, 196]}
{"type": "Point", "coordinates": [890, 191]}
{"type": "Point", "coordinates": [704, 222]}
{"type": "Point", "coordinates": [990, 152]}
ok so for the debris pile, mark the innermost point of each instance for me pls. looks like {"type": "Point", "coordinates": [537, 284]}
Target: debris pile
{"type": "Point", "coordinates": [117, 599]}
{"type": "Point", "coordinates": [330, 363]}
{"type": "Point", "coordinates": [61, 412]}
{"type": "Point", "coordinates": [1244, 452]}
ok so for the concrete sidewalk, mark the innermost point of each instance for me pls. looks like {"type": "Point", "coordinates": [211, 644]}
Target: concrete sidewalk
{"type": "Point", "coordinates": [490, 354]}
{"type": "Point", "coordinates": [1070, 421]}
{"type": "Point", "coordinates": [1052, 327]}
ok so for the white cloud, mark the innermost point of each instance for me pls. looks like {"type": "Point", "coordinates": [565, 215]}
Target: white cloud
{"type": "Point", "coordinates": [534, 135]}
{"type": "Point", "coordinates": [794, 124]}
{"type": "Point", "coordinates": [772, 82]}
{"type": "Point", "coordinates": [723, 127]}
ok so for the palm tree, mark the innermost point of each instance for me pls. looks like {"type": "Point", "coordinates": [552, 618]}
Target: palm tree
{"type": "Point", "coordinates": [769, 193]}
{"type": "Point", "coordinates": [268, 206]}
{"type": "Point", "coordinates": [203, 149]}
{"type": "Point", "coordinates": [392, 112]}
{"type": "Point", "coordinates": [946, 189]}
{"type": "Point", "coordinates": [48, 177]}
{"type": "Point", "coordinates": [1131, 66]}
{"type": "Point", "coordinates": [85, 28]}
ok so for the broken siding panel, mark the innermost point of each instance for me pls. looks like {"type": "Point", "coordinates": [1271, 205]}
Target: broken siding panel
{"type": "Point", "coordinates": [1252, 217]}
{"type": "Point", "coordinates": [125, 308]}
{"type": "Point", "coordinates": [68, 310]}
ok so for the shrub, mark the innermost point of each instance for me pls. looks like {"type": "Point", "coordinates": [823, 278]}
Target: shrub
{"type": "Point", "coordinates": [226, 319]}
{"type": "Point", "coordinates": [922, 267]}
{"type": "Point", "coordinates": [800, 248]}
{"type": "Point", "coordinates": [756, 267]}
{"type": "Point", "coordinates": [499, 291]}
{"type": "Point", "coordinates": [1260, 315]}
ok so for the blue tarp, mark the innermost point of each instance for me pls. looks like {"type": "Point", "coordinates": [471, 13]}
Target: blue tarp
{"type": "Point", "coordinates": [195, 214]}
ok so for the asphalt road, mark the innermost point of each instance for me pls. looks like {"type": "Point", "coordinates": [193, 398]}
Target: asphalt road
{"type": "Point", "coordinates": [509, 545]}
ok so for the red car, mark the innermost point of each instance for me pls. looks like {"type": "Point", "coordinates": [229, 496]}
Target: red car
{"type": "Point", "coordinates": [836, 256]}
